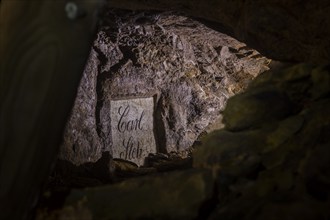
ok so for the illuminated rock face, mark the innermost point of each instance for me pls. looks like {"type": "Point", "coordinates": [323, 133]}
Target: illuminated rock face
{"type": "Point", "coordinates": [187, 69]}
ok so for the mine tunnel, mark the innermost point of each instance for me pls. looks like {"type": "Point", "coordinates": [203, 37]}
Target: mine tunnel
{"type": "Point", "coordinates": [137, 109]}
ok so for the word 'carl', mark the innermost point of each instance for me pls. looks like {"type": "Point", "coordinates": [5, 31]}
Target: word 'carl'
{"type": "Point", "coordinates": [125, 124]}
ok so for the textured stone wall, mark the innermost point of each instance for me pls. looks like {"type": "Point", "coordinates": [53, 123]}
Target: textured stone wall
{"type": "Point", "coordinates": [189, 69]}
{"type": "Point", "coordinates": [271, 161]}
{"type": "Point", "coordinates": [292, 30]}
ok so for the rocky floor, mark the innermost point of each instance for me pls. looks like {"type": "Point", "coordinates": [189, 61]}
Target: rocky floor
{"type": "Point", "coordinates": [271, 161]}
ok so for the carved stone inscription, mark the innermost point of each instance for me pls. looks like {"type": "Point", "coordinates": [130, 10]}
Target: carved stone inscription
{"type": "Point", "coordinates": [132, 129]}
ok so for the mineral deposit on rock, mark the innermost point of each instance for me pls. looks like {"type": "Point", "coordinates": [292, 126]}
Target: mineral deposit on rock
{"type": "Point", "coordinates": [189, 69]}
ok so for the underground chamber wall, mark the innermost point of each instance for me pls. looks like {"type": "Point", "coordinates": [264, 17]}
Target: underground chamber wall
{"type": "Point", "coordinates": [153, 84]}
{"type": "Point", "coordinates": [167, 73]}
{"type": "Point", "coordinates": [262, 154]}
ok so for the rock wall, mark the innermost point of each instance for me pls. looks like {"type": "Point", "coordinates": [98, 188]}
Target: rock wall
{"type": "Point", "coordinates": [189, 69]}
{"type": "Point", "coordinates": [271, 166]}
{"type": "Point", "coordinates": [275, 165]}
{"type": "Point", "coordinates": [292, 30]}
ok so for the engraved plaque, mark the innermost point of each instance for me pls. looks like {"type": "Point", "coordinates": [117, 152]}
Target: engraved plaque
{"type": "Point", "coordinates": [132, 129]}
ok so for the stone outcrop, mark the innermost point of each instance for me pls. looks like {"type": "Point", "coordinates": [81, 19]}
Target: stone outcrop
{"type": "Point", "coordinates": [276, 167]}
{"type": "Point", "coordinates": [176, 195]}
{"type": "Point", "coordinates": [188, 69]}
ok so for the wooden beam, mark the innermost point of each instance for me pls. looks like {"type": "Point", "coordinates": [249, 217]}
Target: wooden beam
{"type": "Point", "coordinates": [42, 53]}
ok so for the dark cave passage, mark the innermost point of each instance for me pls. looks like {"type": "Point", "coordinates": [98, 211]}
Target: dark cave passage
{"type": "Point", "coordinates": [179, 113]}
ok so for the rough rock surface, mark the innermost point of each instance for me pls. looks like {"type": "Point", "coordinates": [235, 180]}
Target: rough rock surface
{"type": "Point", "coordinates": [190, 70]}
{"type": "Point", "coordinates": [278, 167]}
{"type": "Point", "coordinates": [275, 168]}
{"type": "Point", "coordinates": [292, 30]}
{"type": "Point", "coordinates": [176, 195]}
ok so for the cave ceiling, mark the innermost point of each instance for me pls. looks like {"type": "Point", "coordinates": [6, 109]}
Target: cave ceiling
{"type": "Point", "coordinates": [293, 31]}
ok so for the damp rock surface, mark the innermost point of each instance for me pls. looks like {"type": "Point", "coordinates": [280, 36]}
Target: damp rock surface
{"type": "Point", "coordinates": [278, 169]}
{"type": "Point", "coordinates": [176, 195]}
{"type": "Point", "coordinates": [186, 68]}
